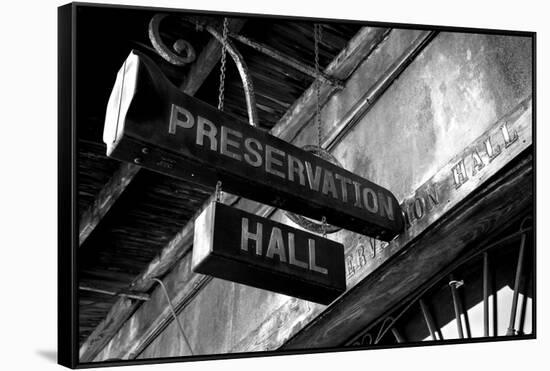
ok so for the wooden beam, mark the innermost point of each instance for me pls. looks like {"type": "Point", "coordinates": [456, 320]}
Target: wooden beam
{"type": "Point", "coordinates": [286, 59]}
{"type": "Point", "coordinates": [155, 315]}
{"type": "Point", "coordinates": [120, 311]}
{"type": "Point", "coordinates": [143, 330]}
{"type": "Point", "coordinates": [342, 66]}
{"type": "Point", "coordinates": [105, 199]}
{"type": "Point", "coordinates": [362, 105]}
{"type": "Point", "coordinates": [110, 193]}
{"type": "Point", "coordinates": [207, 60]}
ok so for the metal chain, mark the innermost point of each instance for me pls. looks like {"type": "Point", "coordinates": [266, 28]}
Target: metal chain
{"type": "Point", "coordinates": [324, 223]}
{"type": "Point", "coordinates": [218, 191]}
{"type": "Point", "coordinates": [317, 33]}
{"type": "Point", "coordinates": [222, 67]}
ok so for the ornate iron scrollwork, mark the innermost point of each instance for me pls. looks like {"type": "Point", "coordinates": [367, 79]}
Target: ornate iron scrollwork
{"type": "Point", "coordinates": [185, 51]}
{"type": "Point", "coordinates": [184, 47]}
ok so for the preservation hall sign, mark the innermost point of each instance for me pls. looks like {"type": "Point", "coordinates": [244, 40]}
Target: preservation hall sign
{"type": "Point", "coordinates": [242, 247]}
{"type": "Point", "coordinates": [152, 123]}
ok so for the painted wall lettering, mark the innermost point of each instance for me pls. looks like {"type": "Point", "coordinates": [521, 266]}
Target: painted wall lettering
{"type": "Point", "coordinates": [362, 254]}
{"type": "Point", "coordinates": [430, 201]}
{"type": "Point", "coordinates": [470, 165]}
{"type": "Point", "coordinates": [424, 202]}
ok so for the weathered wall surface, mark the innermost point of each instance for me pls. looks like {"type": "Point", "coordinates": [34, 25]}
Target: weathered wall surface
{"type": "Point", "coordinates": [454, 90]}
{"type": "Point", "coordinates": [458, 87]}
{"type": "Point", "coordinates": [452, 93]}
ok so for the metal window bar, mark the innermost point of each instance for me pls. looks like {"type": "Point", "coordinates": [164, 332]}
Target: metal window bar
{"type": "Point", "coordinates": [524, 309]}
{"type": "Point", "coordinates": [466, 320]}
{"type": "Point", "coordinates": [456, 306]}
{"type": "Point", "coordinates": [519, 267]}
{"type": "Point", "coordinates": [489, 287]}
{"type": "Point", "coordinates": [429, 320]}
{"type": "Point", "coordinates": [495, 303]}
{"type": "Point", "coordinates": [397, 335]}
{"type": "Point", "coordinates": [486, 294]}
{"type": "Point", "coordinates": [461, 315]}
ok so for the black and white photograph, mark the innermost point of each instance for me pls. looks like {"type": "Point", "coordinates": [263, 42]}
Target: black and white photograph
{"type": "Point", "coordinates": [245, 185]}
{"type": "Point", "coordinates": [249, 184]}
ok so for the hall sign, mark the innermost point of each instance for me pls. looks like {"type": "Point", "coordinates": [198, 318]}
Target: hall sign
{"type": "Point", "coordinates": [152, 123]}
{"type": "Point", "coordinates": [238, 246]}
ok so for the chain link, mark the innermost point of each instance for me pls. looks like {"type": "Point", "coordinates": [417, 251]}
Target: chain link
{"type": "Point", "coordinates": [222, 66]}
{"type": "Point", "coordinates": [317, 33]}
{"type": "Point", "coordinates": [218, 191]}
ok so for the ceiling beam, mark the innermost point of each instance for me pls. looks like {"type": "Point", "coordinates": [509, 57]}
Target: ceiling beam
{"type": "Point", "coordinates": [207, 60]}
{"type": "Point", "coordinates": [343, 65]}
{"type": "Point", "coordinates": [113, 189]}
{"type": "Point", "coordinates": [287, 60]}
{"type": "Point", "coordinates": [105, 199]}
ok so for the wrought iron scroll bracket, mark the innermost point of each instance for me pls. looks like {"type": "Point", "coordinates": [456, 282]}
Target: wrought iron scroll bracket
{"type": "Point", "coordinates": [182, 45]}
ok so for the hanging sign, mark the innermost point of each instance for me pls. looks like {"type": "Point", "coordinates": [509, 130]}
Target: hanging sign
{"type": "Point", "coordinates": [242, 247]}
{"type": "Point", "coordinates": [152, 123]}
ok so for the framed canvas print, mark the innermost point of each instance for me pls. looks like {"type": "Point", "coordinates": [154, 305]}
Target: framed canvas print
{"type": "Point", "coordinates": [236, 184]}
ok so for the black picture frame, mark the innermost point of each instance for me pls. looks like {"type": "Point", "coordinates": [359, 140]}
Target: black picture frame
{"type": "Point", "coordinates": [68, 233]}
